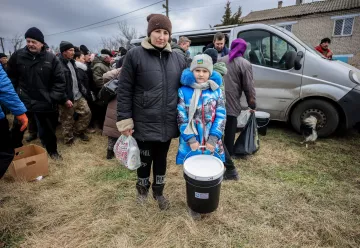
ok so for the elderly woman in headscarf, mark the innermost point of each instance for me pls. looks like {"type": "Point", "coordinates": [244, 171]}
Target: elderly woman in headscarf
{"type": "Point", "coordinates": [238, 79]}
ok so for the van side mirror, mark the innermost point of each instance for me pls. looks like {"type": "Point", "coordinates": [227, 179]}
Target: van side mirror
{"type": "Point", "coordinates": [297, 64]}
{"type": "Point", "coordinates": [290, 59]}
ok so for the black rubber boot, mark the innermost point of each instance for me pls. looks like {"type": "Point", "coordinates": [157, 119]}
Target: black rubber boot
{"type": "Point", "coordinates": [231, 175]}
{"type": "Point", "coordinates": [142, 193]}
{"type": "Point", "coordinates": [159, 197]}
{"type": "Point", "coordinates": [110, 154]}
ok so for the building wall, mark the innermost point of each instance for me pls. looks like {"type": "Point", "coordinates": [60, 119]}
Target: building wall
{"type": "Point", "coordinates": [312, 28]}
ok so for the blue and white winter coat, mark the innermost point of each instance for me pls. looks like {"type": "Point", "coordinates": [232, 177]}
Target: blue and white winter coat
{"type": "Point", "coordinates": [8, 96]}
{"type": "Point", "coordinates": [210, 116]}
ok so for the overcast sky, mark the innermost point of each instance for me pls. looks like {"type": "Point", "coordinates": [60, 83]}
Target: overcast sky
{"type": "Point", "coordinates": [53, 16]}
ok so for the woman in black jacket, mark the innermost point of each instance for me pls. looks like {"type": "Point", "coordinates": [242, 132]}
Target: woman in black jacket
{"type": "Point", "coordinates": [147, 102]}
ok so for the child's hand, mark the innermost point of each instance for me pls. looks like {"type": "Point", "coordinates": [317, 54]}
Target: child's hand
{"type": "Point", "coordinates": [210, 147]}
{"type": "Point", "coordinates": [194, 146]}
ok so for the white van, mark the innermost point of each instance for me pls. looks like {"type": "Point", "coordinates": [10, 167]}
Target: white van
{"type": "Point", "coordinates": [292, 80]}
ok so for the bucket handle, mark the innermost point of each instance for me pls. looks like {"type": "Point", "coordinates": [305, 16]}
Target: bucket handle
{"type": "Point", "coordinates": [265, 124]}
{"type": "Point", "coordinates": [199, 148]}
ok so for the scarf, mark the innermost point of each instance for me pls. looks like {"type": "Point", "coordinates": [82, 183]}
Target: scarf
{"type": "Point", "coordinates": [238, 48]}
{"type": "Point", "coordinates": [198, 88]}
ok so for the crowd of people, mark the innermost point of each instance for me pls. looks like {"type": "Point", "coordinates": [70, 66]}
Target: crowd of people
{"type": "Point", "coordinates": [161, 93]}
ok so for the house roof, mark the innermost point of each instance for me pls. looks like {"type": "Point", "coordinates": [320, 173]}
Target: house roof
{"type": "Point", "coordinates": [302, 9]}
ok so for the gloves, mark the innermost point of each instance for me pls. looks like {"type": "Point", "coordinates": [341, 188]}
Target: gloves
{"type": "Point", "coordinates": [23, 120]}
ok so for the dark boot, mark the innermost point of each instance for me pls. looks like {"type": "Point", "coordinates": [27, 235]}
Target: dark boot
{"type": "Point", "coordinates": [142, 193]}
{"type": "Point", "coordinates": [110, 154]}
{"type": "Point", "coordinates": [159, 197]}
{"type": "Point", "coordinates": [231, 175]}
{"type": "Point", "coordinates": [55, 156]}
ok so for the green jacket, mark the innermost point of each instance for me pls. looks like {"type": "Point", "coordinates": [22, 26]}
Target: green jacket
{"type": "Point", "coordinates": [220, 67]}
{"type": "Point", "coordinates": [99, 68]}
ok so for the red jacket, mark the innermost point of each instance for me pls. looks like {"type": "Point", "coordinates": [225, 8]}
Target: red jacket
{"type": "Point", "coordinates": [327, 53]}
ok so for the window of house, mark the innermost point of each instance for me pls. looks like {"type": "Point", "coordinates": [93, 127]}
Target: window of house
{"type": "Point", "coordinates": [344, 27]}
{"type": "Point", "coordinates": [266, 49]}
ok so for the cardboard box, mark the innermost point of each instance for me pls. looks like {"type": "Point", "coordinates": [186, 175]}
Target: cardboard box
{"type": "Point", "coordinates": [29, 163]}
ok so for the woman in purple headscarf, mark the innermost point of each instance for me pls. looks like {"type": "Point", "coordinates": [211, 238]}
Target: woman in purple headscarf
{"type": "Point", "coordinates": [238, 79]}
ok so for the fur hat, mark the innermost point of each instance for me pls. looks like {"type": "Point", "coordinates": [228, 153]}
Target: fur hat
{"type": "Point", "coordinates": [84, 50]}
{"type": "Point", "coordinates": [158, 21]}
{"type": "Point", "coordinates": [202, 61]}
{"type": "Point", "coordinates": [106, 52]}
{"type": "Point", "coordinates": [65, 45]}
{"type": "Point", "coordinates": [35, 33]}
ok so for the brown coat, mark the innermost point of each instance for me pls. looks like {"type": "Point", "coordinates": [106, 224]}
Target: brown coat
{"type": "Point", "coordinates": [239, 78]}
{"type": "Point", "coordinates": [110, 128]}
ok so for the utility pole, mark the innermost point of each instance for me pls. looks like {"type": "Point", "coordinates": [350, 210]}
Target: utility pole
{"type": "Point", "coordinates": [166, 6]}
{"type": "Point", "coordinates": [2, 44]}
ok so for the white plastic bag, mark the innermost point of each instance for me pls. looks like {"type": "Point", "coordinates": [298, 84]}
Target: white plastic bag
{"type": "Point", "coordinates": [243, 118]}
{"type": "Point", "coordinates": [127, 152]}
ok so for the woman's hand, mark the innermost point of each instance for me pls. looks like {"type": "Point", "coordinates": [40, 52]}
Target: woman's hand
{"type": "Point", "coordinates": [128, 132]}
{"type": "Point", "coordinates": [194, 146]}
{"type": "Point", "coordinates": [210, 147]}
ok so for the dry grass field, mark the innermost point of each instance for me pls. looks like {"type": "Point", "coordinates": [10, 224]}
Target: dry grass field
{"type": "Point", "coordinates": [288, 196]}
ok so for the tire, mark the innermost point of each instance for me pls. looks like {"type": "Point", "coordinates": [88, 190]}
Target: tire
{"type": "Point", "coordinates": [325, 112]}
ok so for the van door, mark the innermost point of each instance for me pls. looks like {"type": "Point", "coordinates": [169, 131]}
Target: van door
{"type": "Point", "coordinates": [276, 87]}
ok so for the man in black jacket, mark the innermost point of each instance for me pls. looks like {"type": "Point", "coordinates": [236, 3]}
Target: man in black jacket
{"type": "Point", "coordinates": [40, 83]}
{"type": "Point", "coordinates": [75, 98]}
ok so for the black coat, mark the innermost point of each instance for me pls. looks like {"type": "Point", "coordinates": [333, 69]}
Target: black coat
{"type": "Point", "coordinates": [83, 79]}
{"type": "Point", "coordinates": [38, 79]}
{"type": "Point", "coordinates": [69, 82]}
{"type": "Point", "coordinates": [148, 92]}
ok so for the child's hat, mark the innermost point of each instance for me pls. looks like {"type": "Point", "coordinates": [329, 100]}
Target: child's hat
{"type": "Point", "coordinates": [202, 61]}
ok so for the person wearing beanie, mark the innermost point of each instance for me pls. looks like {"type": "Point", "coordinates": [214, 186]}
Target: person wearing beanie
{"type": "Point", "coordinates": [201, 112]}
{"type": "Point", "coordinates": [324, 49]}
{"type": "Point", "coordinates": [146, 103]}
{"type": "Point", "coordinates": [76, 92]}
{"type": "Point", "coordinates": [3, 61]}
{"type": "Point", "coordinates": [120, 62]}
{"type": "Point", "coordinates": [220, 67]}
{"type": "Point", "coordinates": [239, 78]}
{"type": "Point", "coordinates": [41, 86]}
{"type": "Point", "coordinates": [87, 57]}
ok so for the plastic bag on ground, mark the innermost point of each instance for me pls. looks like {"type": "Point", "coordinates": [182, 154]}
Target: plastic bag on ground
{"type": "Point", "coordinates": [243, 118]}
{"type": "Point", "coordinates": [127, 152]}
{"type": "Point", "coordinates": [248, 142]}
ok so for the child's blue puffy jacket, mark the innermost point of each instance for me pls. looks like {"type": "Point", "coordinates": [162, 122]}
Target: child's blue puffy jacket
{"type": "Point", "coordinates": [210, 116]}
{"type": "Point", "coordinates": [8, 96]}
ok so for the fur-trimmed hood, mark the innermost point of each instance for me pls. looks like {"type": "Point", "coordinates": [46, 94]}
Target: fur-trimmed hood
{"type": "Point", "coordinates": [81, 65]}
{"type": "Point", "coordinates": [188, 78]}
{"type": "Point", "coordinates": [147, 45]}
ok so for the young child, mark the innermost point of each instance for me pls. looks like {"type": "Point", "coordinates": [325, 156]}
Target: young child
{"type": "Point", "coordinates": [201, 112]}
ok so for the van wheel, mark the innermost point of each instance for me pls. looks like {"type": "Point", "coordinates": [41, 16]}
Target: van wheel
{"type": "Point", "coordinates": [325, 113]}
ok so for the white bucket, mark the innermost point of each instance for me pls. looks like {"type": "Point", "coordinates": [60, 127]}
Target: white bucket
{"type": "Point", "coordinates": [204, 167]}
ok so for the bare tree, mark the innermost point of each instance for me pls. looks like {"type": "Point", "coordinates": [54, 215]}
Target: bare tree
{"type": "Point", "coordinates": [123, 38]}
{"type": "Point", "coordinates": [17, 41]}
{"type": "Point", "coordinates": [127, 33]}
{"type": "Point", "coordinates": [109, 43]}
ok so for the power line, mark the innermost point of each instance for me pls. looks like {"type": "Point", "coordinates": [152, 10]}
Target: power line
{"type": "Point", "coordinates": [74, 29]}
{"type": "Point", "coordinates": [133, 18]}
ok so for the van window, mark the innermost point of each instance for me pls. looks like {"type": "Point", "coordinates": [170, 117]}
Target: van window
{"type": "Point", "coordinates": [265, 48]}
